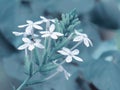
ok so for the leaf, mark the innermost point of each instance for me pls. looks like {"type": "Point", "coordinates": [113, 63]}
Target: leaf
{"type": "Point", "coordinates": [48, 67]}
{"type": "Point", "coordinates": [102, 73]}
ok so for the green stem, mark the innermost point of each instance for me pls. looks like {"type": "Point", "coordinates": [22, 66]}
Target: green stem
{"type": "Point", "coordinates": [41, 81]}
{"type": "Point", "coordinates": [76, 45]}
{"type": "Point", "coordinates": [23, 84]}
{"type": "Point", "coordinates": [60, 45]}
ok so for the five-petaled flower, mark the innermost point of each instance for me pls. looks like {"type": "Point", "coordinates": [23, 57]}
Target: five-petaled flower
{"type": "Point", "coordinates": [30, 25]}
{"type": "Point", "coordinates": [51, 33]}
{"type": "Point", "coordinates": [80, 37]}
{"type": "Point", "coordinates": [70, 54]}
{"type": "Point", "coordinates": [31, 44]}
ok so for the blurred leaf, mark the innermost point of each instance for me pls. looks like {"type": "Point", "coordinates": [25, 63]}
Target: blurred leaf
{"type": "Point", "coordinates": [103, 73]}
{"type": "Point", "coordinates": [106, 14]}
{"type": "Point", "coordinates": [110, 44]}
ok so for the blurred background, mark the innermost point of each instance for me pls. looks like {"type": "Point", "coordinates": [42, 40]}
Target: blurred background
{"type": "Point", "coordinates": [100, 20]}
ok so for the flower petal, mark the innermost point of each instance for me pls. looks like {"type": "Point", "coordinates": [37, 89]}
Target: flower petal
{"type": "Point", "coordinates": [37, 27]}
{"type": "Point", "coordinates": [75, 52]}
{"type": "Point", "coordinates": [66, 50]}
{"type": "Point", "coordinates": [21, 26]}
{"type": "Point", "coordinates": [28, 29]}
{"type": "Point", "coordinates": [26, 40]}
{"type": "Point", "coordinates": [86, 42]}
{"type": "Point", "coordinates": [52, 20]}
{"type": "Point", "coordinates": [77, 33]}
{"type": "Point", "coordinates": [90, 42]}
{"type": "Point", "coordinates": [77, 58]}
{"type": "Point", "coordinates": [39, 45]}
{"type": "Point", "coordinates": [31, 47]}
{"type": "Point", "coordinates": [23, 46]}
{"type": "Point", "coordinates": [38, 22]}
{"type": "Point", "coordinates": [62, 52]}
{"type": "Point", "coordinates": [68, 59]}
{"type": "Point", "coordinates": [67, 75]}
{"type": "Point", "coordinates": [58, 34]}
{"type": "Point", "coordinates": [45, 35]}
{"type": "Point", "coordinates": [52, 28]}
{"type": "Point", "coordinates": [42, 17]}
{"type": "Point", "coordinates": [44, 32]}
{"type": "Point", "coordinates": [53, 36]}
{"type": "Point", "coordinates": [29, 21]}
{"type": "Point", "coordinates": [78, 38]}
{"type": "Point", "coordinates": [18, 33]}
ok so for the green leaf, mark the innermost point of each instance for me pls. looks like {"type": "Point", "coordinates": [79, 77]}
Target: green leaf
{"type": "Point", "coordinates": [48, 67]}
{"type": "Point", "coordinates": [104, 73]}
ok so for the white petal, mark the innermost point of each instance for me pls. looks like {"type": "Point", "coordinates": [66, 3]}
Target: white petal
{"type": "Point", "coordinates": [90, 42]}
{"type": "Point", "coordinates": [77, 58]}
{"type": "Point", "coordinates": [38, 22]}
{"type": "Point", "coordinates": [66, 50]}
{"type": "Point", "coordinates": [28, 29]}
{"type": "Point", "coordinates": [60, 68]}
{"type": "Point", "coordinates": [26, 40]}
{"type": "Point", "coordinates": [37, 40]}
{"type": "Point", "coordinates": [31, 47]}
{"type": "Point", "coordinates": [68, 59]}
{"type": "Point", "coordinates": [78, 38]}
{"type": "Point", "coordinates": [58, 34]}
{"type": "Point", "coordinates": [35, 35]}
{"type": "Point", "coordinates": [77, 33]}
{"type": "Point", "coordinates": [45, 35]}
{"type": "Point", "coordinates": [21, 26]}
{"type": "Point", "coordinates": [52, 20]}
{"type": "Point", "coordinates": [53, 36]}
{"type": "Point", "coordinates": [85, 35]}
{"type": "Point", "coordinates": [86, 42]}
{"type": "Point", "coordinates": [18, 33]}
{"type": "Point", "coordinates": [29, 21]}
{"type": "Point", "coordinates": [62, 52]}
{"type": "Point", "coordinates": [37, 27]}
{"type": "Point", "coordinates": [23, 46]}
{"type": "Point", "coordinates": [52, 28]}
{"type": "Point", "coordinates": [42, 17]}
{"type": "Point", "coordinates": [75, 52]}
{"type": "Point", "coordinates": [39, 45]}
{"type": "Point", "coordinates": [44, 32]}
{"type": "Point", "coordinates": [67, 75]}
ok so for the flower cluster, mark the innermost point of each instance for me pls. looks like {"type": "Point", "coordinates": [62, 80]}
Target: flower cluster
{"type": "Point", "coordinates": [35, 36]}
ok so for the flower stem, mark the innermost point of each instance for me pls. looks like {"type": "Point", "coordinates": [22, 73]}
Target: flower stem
{"type": "Point", "coordinates": [23, 84]}
{"type": "Point", "coordinates": [76, 45]}
{"type": "Point", "coordinates": [43, 80]}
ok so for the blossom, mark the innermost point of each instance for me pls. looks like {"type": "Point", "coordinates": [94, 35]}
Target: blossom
{"type": "Point", "coordinates": [51, 33]}
{"type": "Point", "coordinates": [30, 25]}
{"type": "Point", "coordinates": [61, 69]}
{"type": "Point", "coordinates": [47, 20]}
{"type": "Point", "coordinates": [70, 54]}
{"type": "Point", "coordinates": [30, 44]}
{"type": "Point", "coordinates": [82, 38]}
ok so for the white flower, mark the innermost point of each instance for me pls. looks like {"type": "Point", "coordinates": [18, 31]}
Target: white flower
{"type": "Point", "coordinates": [24, 34]}
{"type": "Point", "coordinates": [30, 25]}
{"type": "Point", "coordinates": [30, 44]}
{"type": "Point", "coordinates": [61, 69]}
{"type": "Point", "coordinates": [82, 38]}
{"type": "Point", "coordinates": [70, 54]}
{"type": "Point", "coordinates": [47, 20]}
{"type": "Point", "coordinates": [51, 33]}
